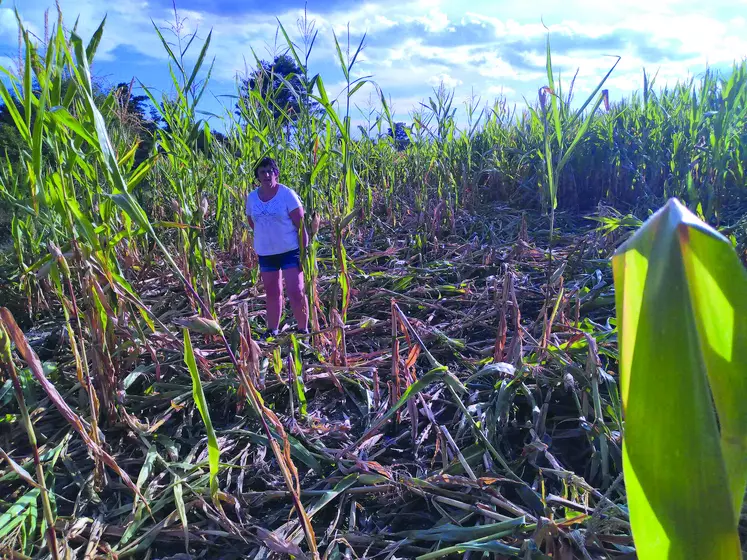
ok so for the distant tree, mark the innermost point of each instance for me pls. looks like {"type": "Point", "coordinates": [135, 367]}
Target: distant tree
{"type": "Point", "coordinates": [401, 140]}
{"type": "Point", "coordinates": [269, 76]}
{"type": "Point", "coordinates": [136, 107]}
{"type": "Point", "coordinates": [139, 117]}
{"type": "Point", "coordinates": [11, 141]}
{"type": "Point", "coordinates": [217, 137]}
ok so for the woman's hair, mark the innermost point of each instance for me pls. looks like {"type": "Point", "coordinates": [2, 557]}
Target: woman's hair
{"type": "Point", "coordinates": [267, 162]}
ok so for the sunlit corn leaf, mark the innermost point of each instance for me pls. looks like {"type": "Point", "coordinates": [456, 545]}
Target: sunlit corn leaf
{"type": "Point", "coordinates": [201, 402]}
{"type": "Point", "coordinates": [682, 313]}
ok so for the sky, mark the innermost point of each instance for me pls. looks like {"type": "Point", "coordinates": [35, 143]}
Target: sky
{"type": "Point", "coordinates": [484, 49]}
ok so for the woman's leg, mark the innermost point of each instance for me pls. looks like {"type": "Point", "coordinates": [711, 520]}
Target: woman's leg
{"type": "Point", "coordinates": [294, 284]}
{"type": "Point", "coordinates": [274, 293]}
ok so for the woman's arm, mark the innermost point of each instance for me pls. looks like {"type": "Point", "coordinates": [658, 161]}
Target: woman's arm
{"type": "Point", "coordinates": [296, 217]}
{"type": "Point", "coordinates": [247, 211]}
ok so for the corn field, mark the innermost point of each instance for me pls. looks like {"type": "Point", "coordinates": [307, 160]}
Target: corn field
{"type": "Point", "coordinates": [459, 393]}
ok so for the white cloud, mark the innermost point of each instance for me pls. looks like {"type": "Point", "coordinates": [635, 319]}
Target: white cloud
{"type": "Point", "coordinates": [500, 90]}
{"type": "Point", "coordinates": [677, 38]}
{"type": "Point", "coordinates": [445, 79]}
{"type": "Point", "coordinates": [493, 66]}
{"type": "Point", "coordinates": [8, 25]}
{"type": "Point", "coordinates": [434, 21]}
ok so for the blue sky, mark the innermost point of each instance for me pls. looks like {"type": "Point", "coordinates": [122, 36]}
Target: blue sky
{"type": "Point", "coordinates": [488, 48]}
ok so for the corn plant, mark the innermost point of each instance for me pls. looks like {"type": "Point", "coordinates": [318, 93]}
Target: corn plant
{"type": "Point", "coordinates": [681, 308]}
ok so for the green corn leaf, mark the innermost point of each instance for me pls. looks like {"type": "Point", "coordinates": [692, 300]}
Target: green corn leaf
{"type": "Point", "coordinates": [146, 472]}
{"type": "Point", "coordinates": [579, 135]}
{"type": "Point", "coordinates": [357, 52]}
{"type": "Point", "coordinates": [433, 376]}
{"type": "Point", "coordinates": [199, 397]}
{"type": "Point", "coordinates": [681, 296]}
{"type": "Point", "coordinates": [552, 195]}
{"type": "Point", "coordinates": [203, 89]}
{"type": "Point", "coordinates": [28, 94]}
{"type": "Point", "coordinates": [18, 512]}
{"type": "Point", "coordinates": [589, 99]}
{"type": "Point", "coordinates": [350, 185]}
{"type": "Point", "coordinates": [291, 46]}
{"type": "Point", "coordinates": [181, 509]}
{"type": "Point", "coordinates": [553, 96]}
{"type": "Point", "coordinates": [298, 368]}
{"type": "Point", "coordinates": [342, 58]}
{"type": "Point", "coordinates": [166, 46]}
{"type": "Point", "coordinates": [484, 544]}
{"type": "Point", "coordinates": [63, 116]}
{"type": "Point", "coordinates": [37, 140]}
{"type": "Point", "coordinates": [128, 203]}
{"type": "Point", "coordinates": [93, 44]}
{"type": "Point", "coordinates": [323, 99]}
{"type": "Point", "coordinates": [455, 533]}
{"type": "Point", "coordinates": [198, 64]}
{"type": "Point", "coordinates": [83, 75]}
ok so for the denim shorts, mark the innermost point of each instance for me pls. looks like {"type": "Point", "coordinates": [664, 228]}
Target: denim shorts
{"type": "Point", "coordinates": [281, 261]}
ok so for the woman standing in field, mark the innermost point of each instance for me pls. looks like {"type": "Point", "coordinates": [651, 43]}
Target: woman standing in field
{"type": "Point", "coordinates": [275, 213]}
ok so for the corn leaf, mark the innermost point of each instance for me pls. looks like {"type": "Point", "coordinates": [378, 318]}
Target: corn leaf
{"type": "Point", "coordinates": [16, 514]}
{"type": "Point", "coordinates": [297, 371]}
{"type": "Point", "coordinates": [454, 533]}
{"type": "Point", "coordinates": [201, 402]}
{"type": "Point", "coordinates": [682, 313]}
{"type": "Point", "coordinates": [93, 44]}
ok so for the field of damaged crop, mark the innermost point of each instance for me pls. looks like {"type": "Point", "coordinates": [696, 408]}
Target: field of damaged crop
{"type": "Point", "coordinates": [458, 394]}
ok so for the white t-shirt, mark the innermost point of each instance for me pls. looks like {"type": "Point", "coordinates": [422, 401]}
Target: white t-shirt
{"type": "Point", "coordinates": [274, 232]}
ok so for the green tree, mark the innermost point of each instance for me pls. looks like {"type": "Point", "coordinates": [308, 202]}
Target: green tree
{"type": "Point", "coordinates": [138, 118]}
{"type": "Point", "coordinates": [401, 139]}
{"type": "Point", "coordinates": [272, 77]}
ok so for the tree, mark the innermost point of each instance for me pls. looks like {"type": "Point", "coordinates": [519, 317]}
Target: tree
{"type": "Point", "coordinates": [269, 78]}
{"type": "Point", "coordinates": [11, 141]}
{"type": "Point", "coordinates": [135, 106]}
{"type": "Point", "coordinates": [139, 117]}
{"type": "Point", "coordinates": [401, 139]}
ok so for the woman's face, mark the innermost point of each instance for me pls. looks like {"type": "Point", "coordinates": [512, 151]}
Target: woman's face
{"type": "Point", "coordinates": [267, 176]}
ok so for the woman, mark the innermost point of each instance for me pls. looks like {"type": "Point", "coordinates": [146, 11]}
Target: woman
{"type": "Point", "coordinates": [275, 213]}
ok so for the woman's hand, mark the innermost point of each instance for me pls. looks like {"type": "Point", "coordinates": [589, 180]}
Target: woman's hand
{"type": "Point", "coordinates": [296, 217]}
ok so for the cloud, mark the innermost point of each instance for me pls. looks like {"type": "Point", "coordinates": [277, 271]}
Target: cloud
{"type": "Point", "coordinates": [500, 91]}
{"type": "Point", "coordinates": [412, 46]}
{"type": "Point", "coordinates": [445, 79]}
{"type": "Point", "coordinates": [239, 9]}
{"type": "Point", "coordinates": [434, 21]}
